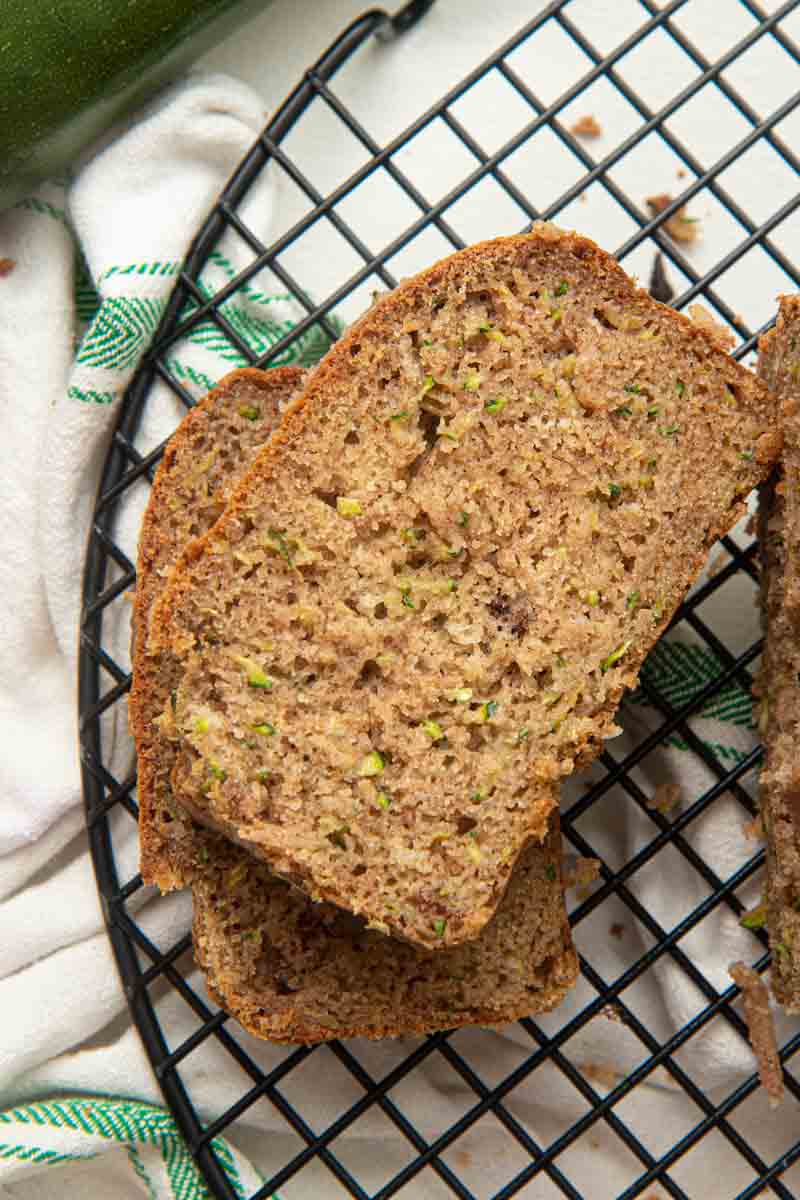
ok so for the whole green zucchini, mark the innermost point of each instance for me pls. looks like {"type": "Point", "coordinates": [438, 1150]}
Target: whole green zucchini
{"type": "Point", "coordinates": [68, 68]}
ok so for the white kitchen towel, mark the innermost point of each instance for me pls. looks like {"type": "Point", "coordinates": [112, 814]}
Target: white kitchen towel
{"type": "Point", "coordinates": [65, 1029]}
{"type": "Point", "coordinates": [87, 267]}
{"type": "Point", "coordinates": [131, 211]}
{"type": "Point", "coordinates": [143, 1154]}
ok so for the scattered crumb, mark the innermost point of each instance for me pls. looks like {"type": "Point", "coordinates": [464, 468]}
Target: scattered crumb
{"type": "Point", "coordinates": [751, 525]}
{"type": "Point", "coordinates": [607, 1076]}
{"type": "Point", "coordinates": [680, 226]}
{"type": "Point", "coordinates": [761, 1029]}
{"type": "Point", "coordinates": [612, 1013]}
{"type": "Point", "coordinates": [680, 173]}
{"type": "Point", "coordinates": [715, 330]}
{"type": "Point", "coordinates": [463, 1158]}
{"type": "Point", "coordinates": [587, 127]}
{"type": "Point", "coordinates": [660, 287]}
{"type": "Point", "coordinates": [580, 872]}
{"type": "Point", "coordinates": [583, 198]}
{"type": "Point", "coordinates": [754, 830]}
{"type": "Point", "coordinates": [754, 918]}
{"type": "Point", "coordinates": [658, 203]}
{"type": "Point", "coordinates": [717, 562]}
{"type": "Point", "coordinates": [761, 719]}
{"type": "Point", "coordinates": [7, 265]}
{"type": "Point", "coordinates": [617, 930]}
{"type": "Point", "coordinates": [666, 797]}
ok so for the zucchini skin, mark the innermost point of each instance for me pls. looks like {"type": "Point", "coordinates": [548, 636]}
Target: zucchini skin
{"type": "Point", "coordinates": [71, 67]}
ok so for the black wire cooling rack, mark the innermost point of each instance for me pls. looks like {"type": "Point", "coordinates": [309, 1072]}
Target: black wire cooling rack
{"type": "Point", "coordinates": [541, 1163]}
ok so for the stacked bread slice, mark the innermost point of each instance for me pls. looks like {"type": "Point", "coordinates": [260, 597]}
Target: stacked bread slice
{"type": "Point", "coordinates": [416, 613]}
{"type": "Point", "coordinates": [289, 969]}
{"type": "Point", "coordinates": [779, 535]}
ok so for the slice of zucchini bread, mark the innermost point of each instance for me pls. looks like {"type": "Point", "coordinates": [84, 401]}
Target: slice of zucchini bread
{"type": "Point", "coordinates": [779, 534]}
{"type": "Point", "coordinates": [423, 603]}
{"type": "Point", "coordinates": [209, 452]}
{"type": "Point", "coordinates": [290, 970]}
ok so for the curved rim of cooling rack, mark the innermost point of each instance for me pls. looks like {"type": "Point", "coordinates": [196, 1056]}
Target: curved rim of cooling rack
{"type": "Point", "coordinates": [116, 473]}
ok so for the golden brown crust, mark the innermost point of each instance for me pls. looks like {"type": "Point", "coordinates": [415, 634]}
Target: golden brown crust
{"type": "Point", "coordinates": [329, 389]}
{"type": "Point", "coordinates": [162, 857]}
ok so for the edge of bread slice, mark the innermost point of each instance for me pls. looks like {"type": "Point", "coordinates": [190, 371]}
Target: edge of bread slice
{"type": "Point", "coordinates": [428, 594]}
{"type": "Point", "coordinates": [779, 679]}
{"type": "Point", "coordinates": [204, 458]}
{"type": "Point", "coordinates": [290, 970]}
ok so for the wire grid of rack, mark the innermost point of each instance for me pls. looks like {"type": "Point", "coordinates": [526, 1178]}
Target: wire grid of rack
{"type": "Point", "coordinates": [143, 964]}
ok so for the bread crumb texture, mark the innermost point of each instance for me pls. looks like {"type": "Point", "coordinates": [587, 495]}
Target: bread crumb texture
{"type": "Point", "coordinates": [425, 599]}
{"type": "Point", "coordinates": [779, 689]}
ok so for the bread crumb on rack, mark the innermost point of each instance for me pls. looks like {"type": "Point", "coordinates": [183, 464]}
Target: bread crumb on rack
{"type": "Point", "coordinates": [666, 797]}
{"type": "Point", "coordinates": [7, 265]}
{"type": "Point", "coordinates": [680, 226]}
{"type": "Point", "coordinates": [580, 872]}
{"type": "Point", "coordinates": [607, 1076]}
{"type": "Point", "coordinates": [717, 561]}
{"type": "Point", "coordinates": [761, 1029]}
{"type": "Point", "coordinates": [587, 127]}
{"type": "Point", "coordinates": [754, 830]}
{"type": "Point", "coordinates": [754, 918]}
{"type": "Point", "coordinates": [617, 930]}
